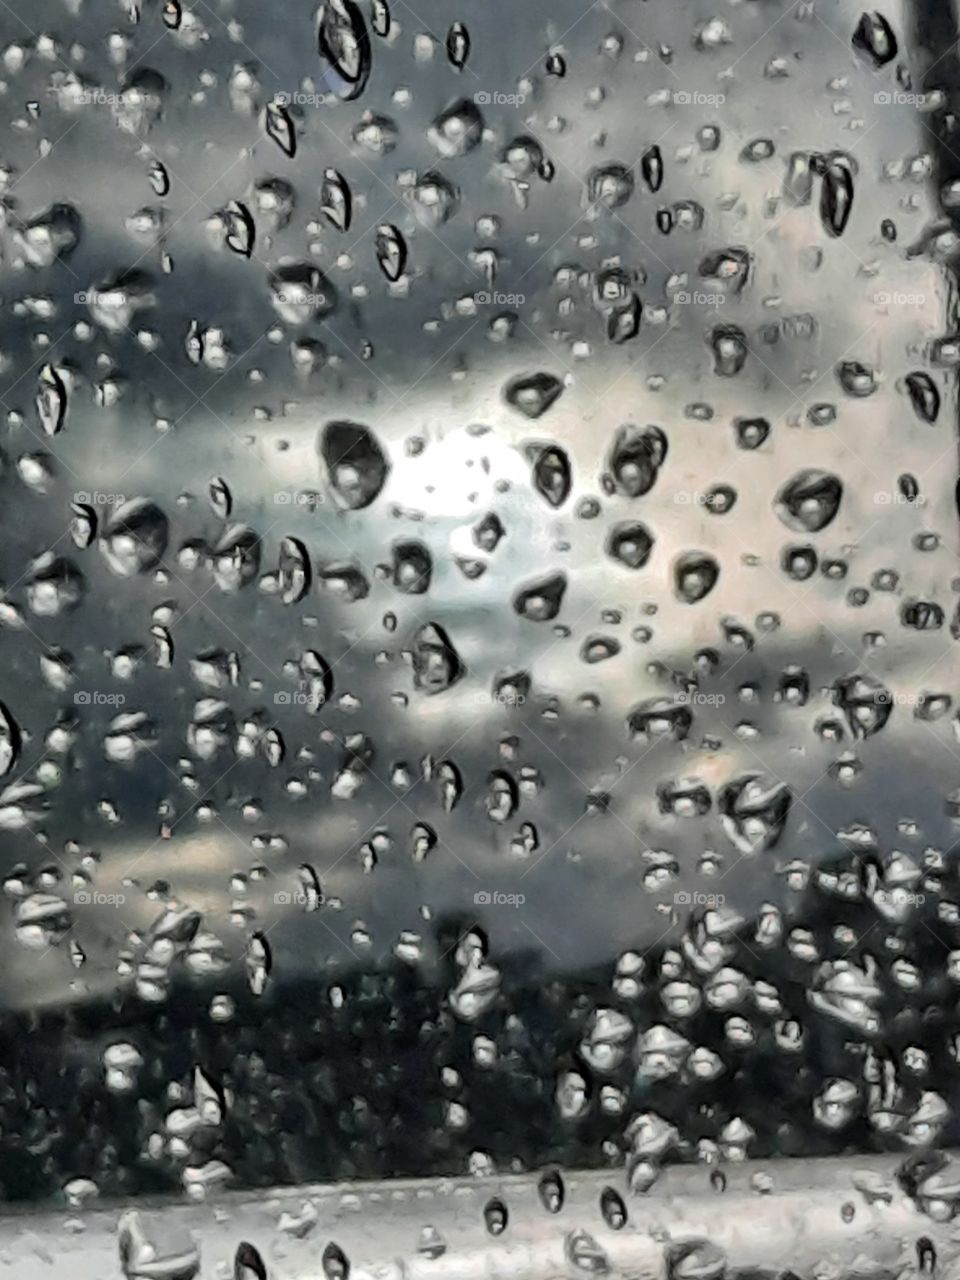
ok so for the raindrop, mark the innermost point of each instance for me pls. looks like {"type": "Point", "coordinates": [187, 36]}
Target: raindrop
{"type": "Point", "coordinates": [631, 543]}
{"type": "Point", "coordinates": [636, 458]}
{"type": "Point", "coordinates": [221, 500]}
{"type": "Point", "coordinates": [159, 178]}
{"type": "Point", "coordinates": [610, 185]}
{"type": "Point", "coordinates": [533, 394]}
{"type": "Point", "coordinates": [551, 1191]}
{"type": "Point", "coordinates": [754, 811]}
{"type": "Point", "coordinates": [488, 532]}
{"type": "Point", "coordinates": [924, 396]}
{"type": "Point", "coordinates": [810, 501]}
{"type": "Point", "coordinates": [798, 180]}
{"type": "Point", "coordinates": [54, 586]}
{"type": "Point", "coordinates": [335, 1263]}
{"type": "Point", "coordinates": [541, 600]}
{"type": "Point", "coordinates": [148, 1253]}
{"type": "Point", "coordinates": [53, 234]}
{"type": "Point", "coordinates": [356, 465]}
{"type": "Point", "coordinates": [412, 568]}
{"type": "Point", "coordinates": [258, 963]}
{"type": "Point", "coordinates": [391, 251]}
{"type": "Point", "coordinates": [344, 46]}
{"type": "Point", "coordinates": [9, 741]}
{"type": "Point", "coordinates": [495, 1217]}
{"type": "Point", "coordinates": [458, 45]}
{"type": "Point", "coordinates": [751, 432]}
{"type": "Point", "coordinates": [651, 166]}
{"type": "Point", "coordinates": [278, 124]}
{"type": "Point", "coordinates": [729, 346]}
{"type": "Point", "coordinates": [695, 574]}
{"type": "Point", "coordinates": [382, 22]}
{"type": "Point", "coordinates": [51, 400]}
{"type": "Point", "coordinates": [235, 559]}
{"type": "Point", "coordinates": [248, 1264]}
{"type": "Point", "coordinates": [695, 1260]}
{"type": "Point", "coordinates": [660, 718]}
{"type": "Point", "coordinates": [458, 129]}
{"type": "Point", "coordinates": [436, 664]}
{"type": "Point", "coordinates": [585, 1254]}
{"type": "Point", "coordinates": [294, 576]}
{"type": "Point", "coordinates": [436, 197]}
{"type": "Point", "coordinates": [613, 1209]}
{"type": "Point", "coordinates": [865, 702]}
{"type": "Point", "coordinates": [836, 195]}
{"type": "Point", "coordinates": [856, 379]}
{"type": "Point", "coordinates": [874, 39]}
{"type": "Point", "coordinates": [240, 232]}
{"type": "Point", "coordinates": [552, 475]}
{"type": "Point", "coordinates": [301, 293]}
{"type": "Point", "coordinates": [926, 1256]}
{"type": "Point", "coordinates": [336, 202]}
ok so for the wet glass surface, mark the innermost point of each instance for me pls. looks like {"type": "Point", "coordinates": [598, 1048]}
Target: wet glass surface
{"type": "Point", "coordinates": [479, 574]}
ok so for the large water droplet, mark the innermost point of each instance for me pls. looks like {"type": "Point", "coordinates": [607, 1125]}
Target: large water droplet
{"type": "Point", "coordinates": [436, 664]}
{"type": "Point", "coordinates": [810, 500]}
{"type": "Point", "coordinates": [344, 46]}
{"type": "Point", "coordinates": [636, 458]}
{"type": "Point", "coordinates": [533, 394]}
{"type": "Point", "coordinates": [356, 465]}
{"type": "Point", "coordinates": [754, 811]}
{"type": "Point", "coordinates": [873, 38]}
{"type": "Point", "coordinates": [695, 574]}
{"type": "Point", "coordinates": [552, 476]}
{"type": "Point", "coordinates": [541, 600]}
{"type": "Point", "coordinates": [458, 129]}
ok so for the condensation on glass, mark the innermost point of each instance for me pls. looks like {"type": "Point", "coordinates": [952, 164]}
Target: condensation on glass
{"type": "Point", "coordinates": [479, 627]}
